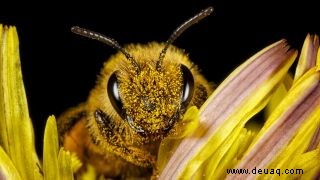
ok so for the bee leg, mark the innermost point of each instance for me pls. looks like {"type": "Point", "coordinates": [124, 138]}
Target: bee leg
{"type": "Point", "coordinates": [138, 156]}
{"type": "Point", "coordinates": [114, 140]}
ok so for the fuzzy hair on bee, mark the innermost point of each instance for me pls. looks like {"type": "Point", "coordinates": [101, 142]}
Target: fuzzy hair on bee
{"type": "Point", "coordinates": [141, 95]}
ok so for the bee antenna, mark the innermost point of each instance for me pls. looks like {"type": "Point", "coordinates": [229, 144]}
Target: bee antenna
{"type": "Point", "coordinates": [177, 32]}
{"type": "Point", "coordinates": [107, 40]}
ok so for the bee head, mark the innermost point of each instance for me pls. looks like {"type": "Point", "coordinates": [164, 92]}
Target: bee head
{"type": "Point", "coordinates": [151, 94]}
{"type": "Point", "coordinates": [152, 100]}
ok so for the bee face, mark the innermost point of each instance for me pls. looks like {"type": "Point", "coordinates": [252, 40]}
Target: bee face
{"type": "Point", "coordinates": [152, 100]}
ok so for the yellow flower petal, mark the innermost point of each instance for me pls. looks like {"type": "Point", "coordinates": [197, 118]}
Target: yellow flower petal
{"type": "Point", "coordinates": [16, 131]}
{"type": "Point", "coordinates": [308, 55]}
{"type": "Point", "coordinates": [7, 169]}
{"type": "Point", "coordinates": [230, 159]}
{"type": "Point", "coordinates": [289, 156]}
{"type": "Point", "coordinates": [187, 125]}
{"type": "Point", "coordinates": [65, 168]}
{"type": "Point", "coordinates": [57, 164]}
{"type": "Point", "coordinates": [309, 162]}
{"type": "Point", "coordinates": [225, 113]}
{"type": "Point", "coordinates": [89, 174]}
{"type": "Point", "coordinates": [278, 95]}
{"type": "Point", "coordinates": [298, 111]}
{"type": "Point", "coordinates": [75, 161]}
{"type": "Point", "coordinates": [51, 150]}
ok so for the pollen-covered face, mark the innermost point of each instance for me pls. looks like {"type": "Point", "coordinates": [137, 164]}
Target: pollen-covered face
{"type": "Point", "coordinates": [152, 99]}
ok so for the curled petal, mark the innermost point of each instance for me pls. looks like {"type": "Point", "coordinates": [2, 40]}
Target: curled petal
{"type": "Point", "coordinates": [225, 113]}
{"type": "Point", "coordinates": [288, 130]}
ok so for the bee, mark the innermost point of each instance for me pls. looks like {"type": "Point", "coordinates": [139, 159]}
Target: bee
{"type": "Point", "coordinates": [141, 94]}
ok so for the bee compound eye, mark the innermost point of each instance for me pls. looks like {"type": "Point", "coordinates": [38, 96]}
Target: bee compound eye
{"type": "Point", "coordinates": [187, 86]}
{"type": "Point", "coordinates": [114, 95]}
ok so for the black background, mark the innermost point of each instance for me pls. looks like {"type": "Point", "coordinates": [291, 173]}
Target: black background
{"type": "Point", "coordinates": [60, 68]}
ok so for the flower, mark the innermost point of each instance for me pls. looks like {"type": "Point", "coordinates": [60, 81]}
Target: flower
{"type": "Point", "coordinates": [18, 158]}
{"type": "Point", "coordinates": [220, 140]}
{"type": "Point", "coordinates": [289, 138]}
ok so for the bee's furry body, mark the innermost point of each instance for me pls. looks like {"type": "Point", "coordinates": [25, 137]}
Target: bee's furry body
{"type": "Point", "coordinates": [101, 137]}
